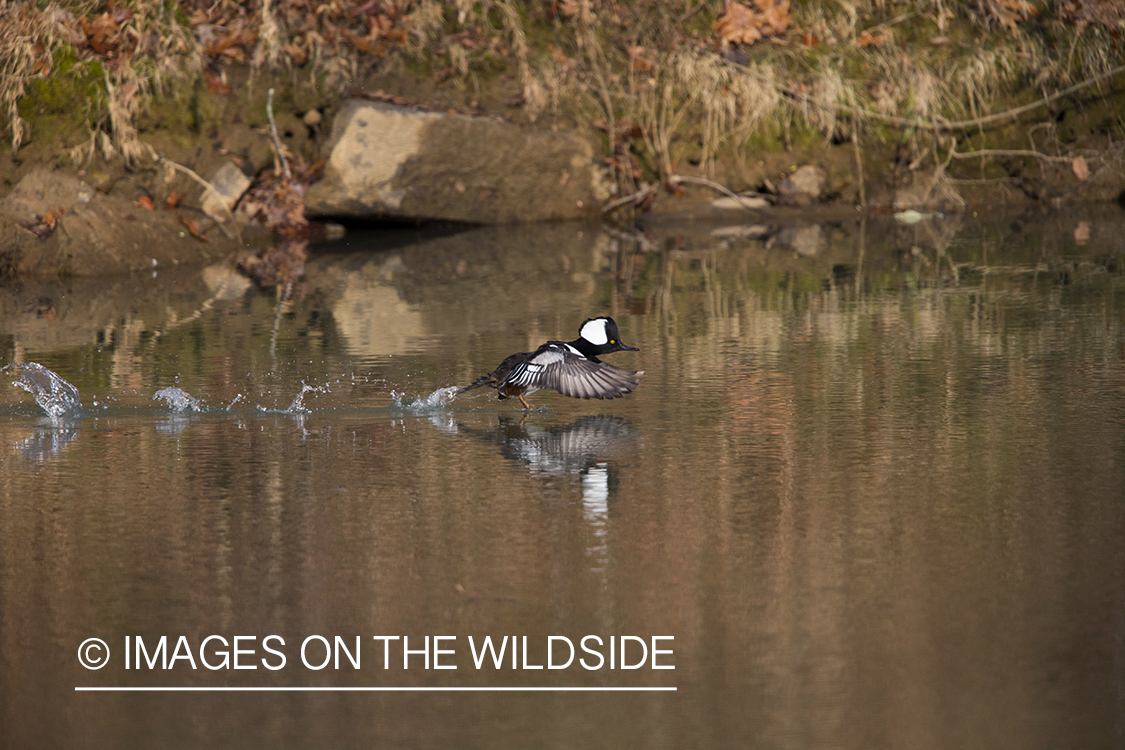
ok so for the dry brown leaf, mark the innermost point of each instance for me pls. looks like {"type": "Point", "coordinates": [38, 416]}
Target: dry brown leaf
{"type": "Point", "coordinates": [173, 201]}
{"type": "Point", "coordinates": [367, 44]}
{"type": "Point", "coordinates": [1007, 12]}
{"type": "Point", "coordinates": [297, 53]}
{"type": "Point", "coordinates": [737, 25]}
{"type": "Point", "coordinates": [1085, 13]}
{"type": "Point", "coordinates": [216, 84]}
{"type": "Point", "coordinates": [146, 203]}
{"type": "Point", "coordinates": [52, 216]}
{"type": "Point", "coordinates": [557, 55]}
{"type": "Point", "coordinates": [775, 15]}
{"type": "Point", "coordinates": [867, 39]}
{"type": "Point", "coordinates": [192, 226]}
{"type": "Point", "coordinates": [741, 25]}
{"type": "Point", "coordinates": [44, 224]}
{"type": "Point", "coordinates": [583, 10]}
{"type": "Point", "coordinates": [638, 63]}
{"type": "Point", "coordinates": [42, 66]}
{"type": "Point", "coordinates": [101, 33]}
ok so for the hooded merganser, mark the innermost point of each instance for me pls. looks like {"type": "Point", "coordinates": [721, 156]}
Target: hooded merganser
{"type": "Point", "coordinates": [573, 369]}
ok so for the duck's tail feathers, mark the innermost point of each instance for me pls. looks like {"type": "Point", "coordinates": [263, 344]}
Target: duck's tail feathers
{"type": "Point", "coordinates": [480, 382]}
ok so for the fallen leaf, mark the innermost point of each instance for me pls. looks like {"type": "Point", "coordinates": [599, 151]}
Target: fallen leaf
{"type": "Point", "coordinates": [44, 224]}
{"type": "Point", "coordinates": [741, 25]}
{"type": "Point", "coordinates": [101, 33]}
{"type": "Point", "coordinates": [146, 203]}
{"type": "Point", "coordinates": [809, 39]}
{"type": "Point", "coordinates": [737, 25]}
{"type": "Point", "coordinates": [216, 84]}
{"type": "Point", "coordinates": [367, 44]}
{"type": "Point", "coordinates": [173, 201]}
{"type": "Point", "coordinates": [557, 55]}
{"type": "Point", "coordinates": [52, 216]}
{"type": "Point", "coordinates": [192, 226]}
{"type": "Point", "coordinates": [1007, 12]}
{"type": "Point", "coordinates": [867, 39]}
{"type": "Point", "coordinates": [638, 63]}
{"type": "Point", "coordinates": [583, 10]}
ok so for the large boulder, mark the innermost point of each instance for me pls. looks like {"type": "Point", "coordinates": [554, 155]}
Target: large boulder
{"type": "Point", "coordinates": [388, 161]}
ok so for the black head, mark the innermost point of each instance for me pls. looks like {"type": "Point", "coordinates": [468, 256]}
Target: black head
{"type": "Point", "coordinates": [600, 336]}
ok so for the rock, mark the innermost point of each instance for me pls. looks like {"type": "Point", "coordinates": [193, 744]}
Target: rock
{"type": "Point", "coordinates": [744, 200]}
{"type": "Point", "coordinates": [394, 162]}
{"type": "Point", "coordinates": [229, 183]}
{"type": "Point", "coordinates": [312, 118]}
{"type": "Point", "coordinates": [742, 231]}
{"type": "Point", "coordinates": [92, 234]}
{"type": "Point", "coordinates": [804, 187]}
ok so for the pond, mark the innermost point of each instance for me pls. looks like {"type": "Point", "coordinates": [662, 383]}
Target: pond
{"type": "Point", "coordinates": [870, 493]}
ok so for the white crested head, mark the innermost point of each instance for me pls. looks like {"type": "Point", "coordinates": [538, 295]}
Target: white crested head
{"type": "Point", "coordinates": [594, 331]}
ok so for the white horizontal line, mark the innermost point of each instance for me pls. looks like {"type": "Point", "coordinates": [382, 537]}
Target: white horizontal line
{"type": "Point", "coordinates": [264, 689]}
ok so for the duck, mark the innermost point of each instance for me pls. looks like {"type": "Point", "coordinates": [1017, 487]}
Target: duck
{"type": "Point", "coordinates": [570, 367]}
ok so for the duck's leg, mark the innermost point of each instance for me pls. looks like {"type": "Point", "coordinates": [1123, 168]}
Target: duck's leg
{"type": "Point", "coordinates": [526, 406]}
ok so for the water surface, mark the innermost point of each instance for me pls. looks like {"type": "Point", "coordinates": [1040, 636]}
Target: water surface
{"type": "Point", "coordinates": [872, 485]}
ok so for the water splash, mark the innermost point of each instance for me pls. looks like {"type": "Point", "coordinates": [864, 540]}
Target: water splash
{"type": "Point", "coordinates": [298, 405]}
{"type": "Point", "coordinates": [439, 398]}
{"type": "Point", "coordinates": [180, 401]}
{"type": "Point", "coordinates": [52, 393]}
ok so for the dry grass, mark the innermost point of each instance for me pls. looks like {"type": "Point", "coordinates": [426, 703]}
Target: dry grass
{"type": "Point", "coordinates": [665, 78]}
{"type": "Point", "coordinates": [28, 46]}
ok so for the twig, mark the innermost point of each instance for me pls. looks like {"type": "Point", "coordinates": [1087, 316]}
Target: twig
{"type": "Point", "coordinates": [987, 152]}
{"type": "Point", "coordinates": [673, 181]}
{"type": "Point", "coordinates": [633, 198]}
{"type": "Point", "coordinates": [679, 179]}
{"type": "Point", "coordinates": [207, 186]}
{"type": "Point", "coordinates": [940, 123]}
{"type": "Point", "coordinates": [276, 140]}
{"type": "Point", "coordinates": [939, 171]}
{"type": "Point", "coordinates": [858, 165]}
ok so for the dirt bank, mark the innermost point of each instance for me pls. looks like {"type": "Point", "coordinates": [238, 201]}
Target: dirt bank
{"type": "Point", "coordinates": [968, 110]}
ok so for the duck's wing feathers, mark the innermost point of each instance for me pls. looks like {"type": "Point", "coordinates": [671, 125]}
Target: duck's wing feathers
{"type": "Point", "coordinates": [559, 366]}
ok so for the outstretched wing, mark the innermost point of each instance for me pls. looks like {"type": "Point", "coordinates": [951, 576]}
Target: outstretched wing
{"type": "Point", "coordinates": [557, 366]}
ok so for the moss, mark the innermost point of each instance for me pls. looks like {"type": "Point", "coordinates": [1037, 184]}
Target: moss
{"type": "Point", "coordinates": [72, 83]}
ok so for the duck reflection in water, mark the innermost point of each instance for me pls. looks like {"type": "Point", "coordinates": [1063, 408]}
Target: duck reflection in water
{"type": "Point", "coordinates": [588, 448]}
{"type": "Point", "coordinates": [48, 441]}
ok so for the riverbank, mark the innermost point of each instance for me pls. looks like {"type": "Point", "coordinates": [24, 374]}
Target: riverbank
{"type": "Point", "coordinates": [935, 109]}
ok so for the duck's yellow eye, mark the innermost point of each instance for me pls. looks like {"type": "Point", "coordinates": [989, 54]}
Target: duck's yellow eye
{"type": "Point", "coordinates": [612, 341]}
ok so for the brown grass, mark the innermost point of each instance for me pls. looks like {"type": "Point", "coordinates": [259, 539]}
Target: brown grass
{"type": "Point", "coordinates": [28, 44]}
{"type": "Point", "coordinates": [666, 74]}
